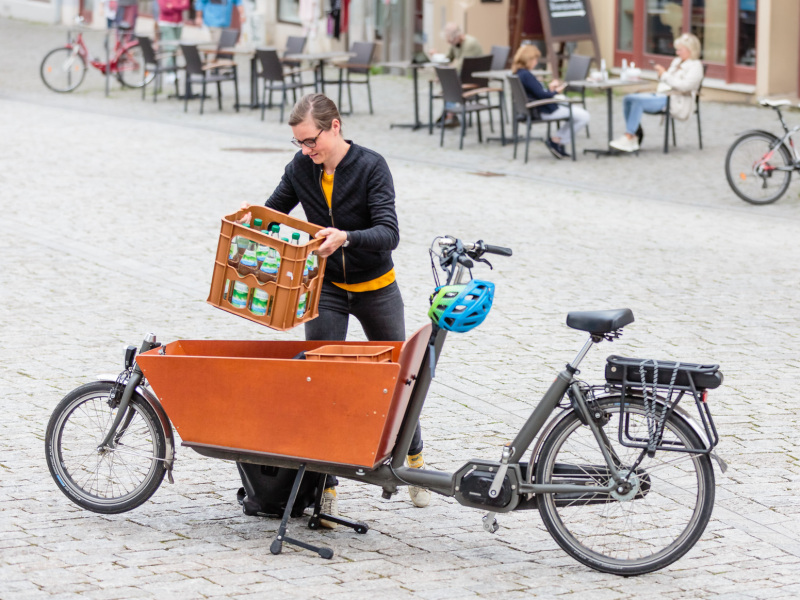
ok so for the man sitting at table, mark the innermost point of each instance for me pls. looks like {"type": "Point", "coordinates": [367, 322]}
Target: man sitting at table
{"type": "Point", "coordinates": [461, 46]}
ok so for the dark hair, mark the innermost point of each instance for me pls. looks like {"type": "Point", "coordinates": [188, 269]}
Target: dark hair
{"type": "Point", "coordinates": [319, 107]}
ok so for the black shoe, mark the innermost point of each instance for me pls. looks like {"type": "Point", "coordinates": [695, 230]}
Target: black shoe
{"type": "Point", "coordinates": [563, 150]}
{"type": "Point", "coordinates": [554, 150]}
{"type": "Point", "coordinates": [639, 134]}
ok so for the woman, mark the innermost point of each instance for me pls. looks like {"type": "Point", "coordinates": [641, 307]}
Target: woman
{"type": "Point", "coordinates": [348, 190]}
{"type": "Point", "coordinates": [525, 60]}
{"type": "Point", "coordinates": [681, 80]}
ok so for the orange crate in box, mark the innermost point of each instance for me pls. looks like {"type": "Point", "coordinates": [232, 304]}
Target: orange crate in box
{"type": "Point", "coordinates": [375, 354]}
{"type": "Point", "coordinates": [286, 291]}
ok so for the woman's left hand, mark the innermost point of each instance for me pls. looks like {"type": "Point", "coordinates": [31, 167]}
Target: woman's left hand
{"type": "Point", "coordinates": [659, 70]}
{"type": "Point", "coordinates": [334, 238]}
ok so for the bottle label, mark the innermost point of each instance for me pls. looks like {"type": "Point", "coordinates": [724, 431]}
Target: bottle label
{"type": "Point", "coordinates": [240, 293]}
{"type": "Point", "coordinates": [258, 306]}
{"type": "Point", "coordinates": [249, 259]}
{"type": "Point", "coordinates": [233, 252]}
{"type": "Point", "coordinates": [301, 307]}
{"type": "Point", "coordinates": [262, 252]}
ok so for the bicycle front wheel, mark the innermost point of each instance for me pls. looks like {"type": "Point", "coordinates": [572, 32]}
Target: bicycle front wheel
{"type": "Point", "coordinates": [644, 528]}
{"type": "Point", "coordinates": [63, 69]}
{"type": "Point", "coordinates": [109, 480]}
{"type": "Point", "coordinates": [131, 70]}
{"type": "Point", "coordinates": [758, 168]}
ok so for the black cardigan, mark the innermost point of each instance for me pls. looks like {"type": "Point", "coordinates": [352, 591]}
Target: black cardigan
{"type": "Point", "coordinates": [362, 205]}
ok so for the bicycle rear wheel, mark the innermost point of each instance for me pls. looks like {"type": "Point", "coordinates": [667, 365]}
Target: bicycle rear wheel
{"type": "Point", "coordinates": [131, 70]}
{"type": "Point", "coordinates": [108, 480]}
{"type": "Point", "coordinates": [644, 529]}
{"type": "Point", "coordinates": [63, 69]}
{"type": "Point", "coordinates": [752, 168]}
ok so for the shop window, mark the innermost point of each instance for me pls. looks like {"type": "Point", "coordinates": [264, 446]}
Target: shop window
{"type": "Point", "coordinates": [625, 26]}
{"type": "Point", "coordinates": [746, 25]}
{"type": "Point", "coordinates": [709, 22]}
{"type": "Point", "coordinates": [289, 11]}
{"type": "Point", "coordinates": [663, 25]}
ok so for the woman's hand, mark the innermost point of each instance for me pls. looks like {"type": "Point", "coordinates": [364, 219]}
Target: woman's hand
{"type": "Point", "coordinates": [334, 238]}
{"type": "Point", "coordinates": [248, 216]}
{"type": "Point", "coordinates": [659, 70]}
{"type": "Point", "coordinates": [557, 86]}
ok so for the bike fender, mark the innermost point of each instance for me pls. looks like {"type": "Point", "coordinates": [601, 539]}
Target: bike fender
{"type": "Point", "coordinates": [155, 404]}
{"type": "Point", "coordinates": [761, 131]}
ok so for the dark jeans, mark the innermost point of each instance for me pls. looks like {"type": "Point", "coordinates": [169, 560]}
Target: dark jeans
{"type": "Point", "coordinates": [382, 317]}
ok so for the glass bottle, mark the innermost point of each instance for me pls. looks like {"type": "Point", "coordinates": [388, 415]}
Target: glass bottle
{"type": "Point", "coordinates": [258, 304]}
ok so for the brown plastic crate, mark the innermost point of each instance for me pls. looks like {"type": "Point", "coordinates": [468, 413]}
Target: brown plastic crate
{"type": "Point", "coordinates": [286, 291]}
{"type": "Point", "coordinates": [375, 354]}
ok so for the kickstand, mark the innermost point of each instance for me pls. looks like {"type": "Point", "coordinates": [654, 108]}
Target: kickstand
{"type": "Point", "coordinates": [277, 543]}
{"type": "Point", "coordinates": [314, 521]}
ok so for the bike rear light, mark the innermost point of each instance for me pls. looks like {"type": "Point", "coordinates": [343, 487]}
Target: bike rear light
{"type": "Point", "coordinates": [704, 397]}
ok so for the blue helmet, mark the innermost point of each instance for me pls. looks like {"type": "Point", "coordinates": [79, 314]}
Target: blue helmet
{"type": "Point", "coordinates": [461, 307]}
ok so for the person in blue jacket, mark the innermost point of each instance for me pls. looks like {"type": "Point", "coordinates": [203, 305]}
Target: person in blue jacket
{"type": "Point", "coordinates": [525, 60]}
{"type": "Point", "coordinates": [216, 15]}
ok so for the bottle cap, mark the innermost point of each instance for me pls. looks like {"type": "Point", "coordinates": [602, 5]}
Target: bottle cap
{"type": "Point", "coordinates": [257, 222]}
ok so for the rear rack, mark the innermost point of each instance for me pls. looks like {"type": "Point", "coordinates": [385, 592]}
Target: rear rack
{"type": "Point", "coordinates": [669, 381]}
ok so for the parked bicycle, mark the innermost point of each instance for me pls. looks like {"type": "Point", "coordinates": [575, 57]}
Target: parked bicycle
{"type": "Point", "coordinates": [621, 475]}
{"type": "Point", "coordinates": [759, 164]}
{"type": "Point", "coordinates": [63, 69]}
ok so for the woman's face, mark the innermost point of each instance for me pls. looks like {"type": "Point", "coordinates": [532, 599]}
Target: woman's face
{"type": "Point", "coordinates": [532, 62]}
{"type": "Point", "coordinates": [325, 140]}
{"type": "Point", "coordinates": [683, 52]}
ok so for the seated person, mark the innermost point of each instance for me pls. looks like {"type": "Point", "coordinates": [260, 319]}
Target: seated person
{"type": "Point", "coordinates": [525, 60]}
{"type": "Point", "coordinates": [462, 45]}
{"type": "Point", "coordinates": [681, 80]}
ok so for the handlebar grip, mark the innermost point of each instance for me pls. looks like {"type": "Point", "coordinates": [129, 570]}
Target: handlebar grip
{"type": "Point", "coordinates": [489, 249]}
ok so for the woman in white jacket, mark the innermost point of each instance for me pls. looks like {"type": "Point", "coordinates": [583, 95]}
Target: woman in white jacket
{"type": "Point", "coordinates": [681, 81]}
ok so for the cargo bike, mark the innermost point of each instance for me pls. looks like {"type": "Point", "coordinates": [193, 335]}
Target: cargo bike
{"type": "Point", "coordinates": [620, 473]}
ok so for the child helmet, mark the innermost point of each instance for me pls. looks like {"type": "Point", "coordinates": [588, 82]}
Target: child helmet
{"type": "Point", "coordinates": [463, 306]}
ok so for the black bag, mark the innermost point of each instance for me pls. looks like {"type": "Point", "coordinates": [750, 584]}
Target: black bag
{"type": "Point", "coordinates": [266, 490]}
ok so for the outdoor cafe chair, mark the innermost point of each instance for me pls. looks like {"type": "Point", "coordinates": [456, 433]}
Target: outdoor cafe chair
{"type": "Point", "coordinates": [527, 111]}
{"type": "Point", "coordinates": [578, 70]}
{"type": "Point", "coordinates": [217, 71]}
{"type": "Point", "coordinates": [154, 63]}
{"type": "Point", "coordinates": [464, 103]}
{"type": "Point", "coordinates": [359, 65]}
{"type": "Point", "coordinates": [476, 64]}
{"type": "Point", "coordinates": [669, 122]}
{"type": "Point", "coordinates": [500, 57]}
{"type": "Point", "coordinates": [295, 44]}
{"type": "Point", "coordinates": [275, 79]}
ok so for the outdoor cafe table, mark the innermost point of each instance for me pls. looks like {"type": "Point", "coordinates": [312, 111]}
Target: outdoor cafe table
{"type": "Point", "coordinates": [415, 67]}
{"type": "Point", "coordinates": [320, 58]}
{"type": "Point", "coordinates": [609, 86]}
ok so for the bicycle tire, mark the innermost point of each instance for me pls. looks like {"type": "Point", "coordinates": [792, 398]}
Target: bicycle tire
{"type": "Point", "coordinates": [131, 69]}
{"type": "Point", "coordinates": [647, 529]}
{"type": "Point", "coordinates": [104, 482]}
{"type": "Point", "coordinates": [751, 178]}
{"type": "Point", "coordinates": [62, 69]}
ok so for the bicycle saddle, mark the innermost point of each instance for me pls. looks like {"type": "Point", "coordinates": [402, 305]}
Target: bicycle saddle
{"type": "Point", "coordinates": [774, 103]}
{"type": "Point", "coordinates": [600, 321]}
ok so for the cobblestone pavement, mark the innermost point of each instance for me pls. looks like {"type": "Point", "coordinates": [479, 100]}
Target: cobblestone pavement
{"type": "Point", "coordinates": [109, 214]}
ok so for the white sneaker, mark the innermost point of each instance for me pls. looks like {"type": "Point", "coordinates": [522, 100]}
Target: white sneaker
{"type": "Point", "coordinates": [624, 144]}
{"type": "Point", "coordinates": [330, 506]}
{"type": "Point", "coordinates": [419, 496]}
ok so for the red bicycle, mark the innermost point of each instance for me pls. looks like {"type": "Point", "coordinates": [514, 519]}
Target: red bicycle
{"type": "Point", "coordinates": [64, 69]}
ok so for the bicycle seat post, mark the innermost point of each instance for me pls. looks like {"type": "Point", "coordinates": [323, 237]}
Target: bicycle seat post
{"type": "Point", "coordinates": [573, 366]}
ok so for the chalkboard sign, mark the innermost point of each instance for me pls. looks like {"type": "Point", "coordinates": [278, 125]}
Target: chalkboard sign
{"type": "Point", "coordinates": [568, 18]}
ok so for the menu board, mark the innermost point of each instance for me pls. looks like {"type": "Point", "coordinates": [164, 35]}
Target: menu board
{"type": "Point", "coordinates": [567, 18]}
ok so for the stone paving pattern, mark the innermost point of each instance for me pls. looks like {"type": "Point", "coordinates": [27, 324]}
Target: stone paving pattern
{"type": "Point", "coordinates": [109, 215]}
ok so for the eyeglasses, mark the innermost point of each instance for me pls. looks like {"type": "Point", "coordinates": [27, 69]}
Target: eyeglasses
{"type": "Point", "coordinates": [309, 143]}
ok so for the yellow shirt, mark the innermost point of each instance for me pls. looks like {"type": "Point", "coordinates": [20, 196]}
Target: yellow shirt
{"type": "Point", "coordinates": [366, 286]}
